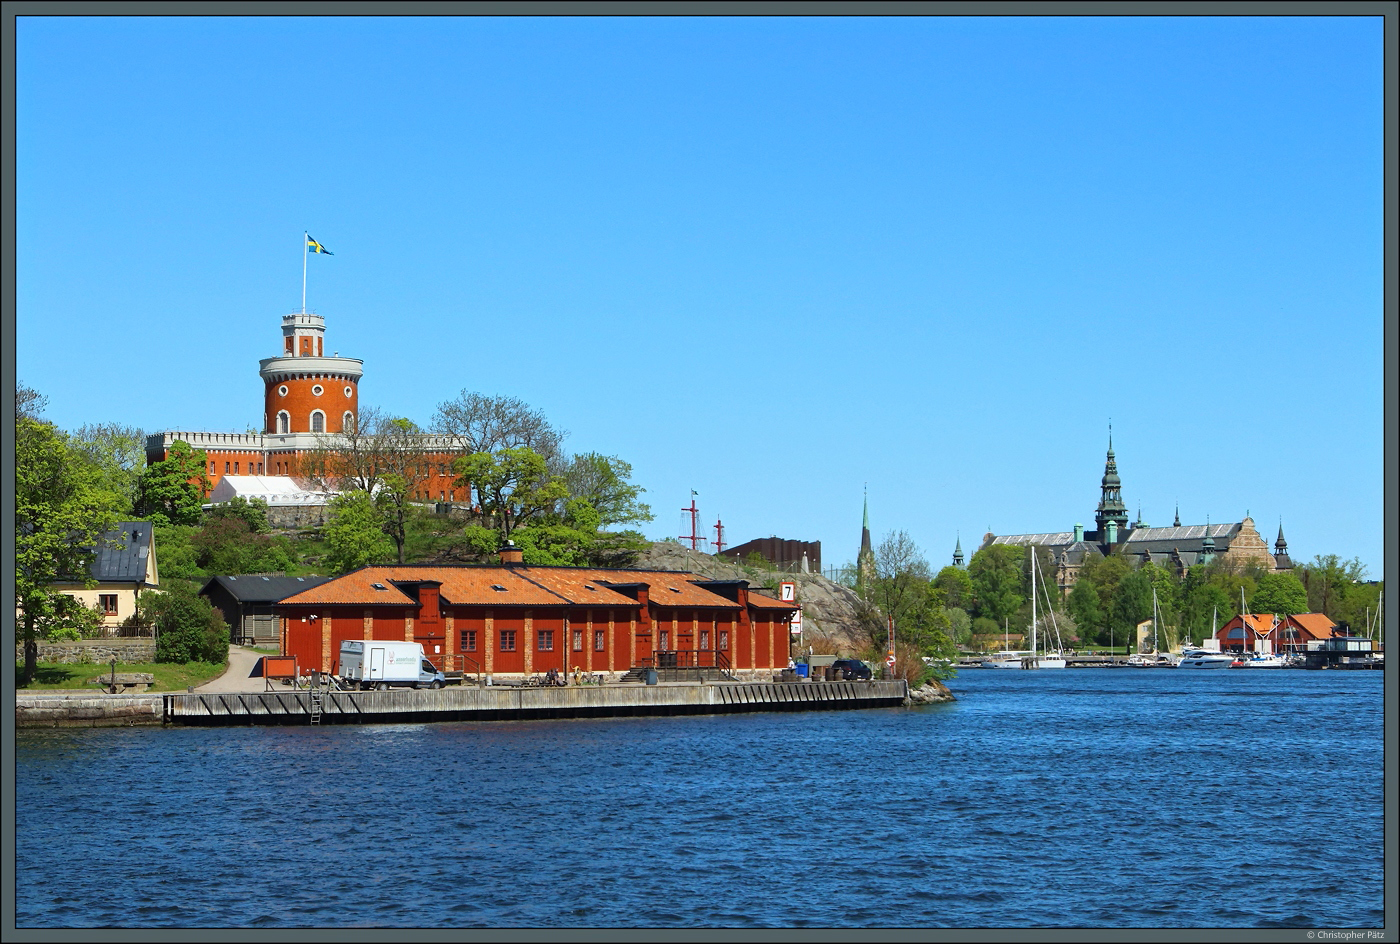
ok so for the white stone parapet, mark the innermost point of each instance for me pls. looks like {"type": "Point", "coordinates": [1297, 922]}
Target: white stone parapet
{"type": "Point", "coordinates": [270, 442]}
{"type": "Point", "coordinates": [289, 367]}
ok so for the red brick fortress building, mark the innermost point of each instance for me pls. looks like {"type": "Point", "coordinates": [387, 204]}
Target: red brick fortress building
{"type": "Point", "coordinates": [308, 400]}
{"type": "Point", "coordinates": [514, 619]}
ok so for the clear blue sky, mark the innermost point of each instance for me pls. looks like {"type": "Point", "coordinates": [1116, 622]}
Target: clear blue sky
{"type": "Point", "coordinates": [771, 260]}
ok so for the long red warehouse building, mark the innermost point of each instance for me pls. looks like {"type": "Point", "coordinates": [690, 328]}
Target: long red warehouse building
{"type": "Point", "coordinates": [516, 619]}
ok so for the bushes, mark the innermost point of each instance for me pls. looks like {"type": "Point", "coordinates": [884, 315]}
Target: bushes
{"type": "Point", "coordinates": [187, 628]}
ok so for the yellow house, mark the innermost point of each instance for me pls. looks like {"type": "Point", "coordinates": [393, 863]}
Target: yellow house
{"type": "Point", "coordinates": [124, 564]}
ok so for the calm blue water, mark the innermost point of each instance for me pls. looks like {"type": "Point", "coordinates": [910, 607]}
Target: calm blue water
{"type": "Point", "coordinates": [1081, 798]}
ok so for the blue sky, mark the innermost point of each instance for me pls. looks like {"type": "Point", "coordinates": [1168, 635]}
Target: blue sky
{"type": "Point", "coordinates": [771, 260]}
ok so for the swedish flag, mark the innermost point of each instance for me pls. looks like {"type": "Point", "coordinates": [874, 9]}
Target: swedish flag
{"type": "Point", "coordinates": [314, 246]}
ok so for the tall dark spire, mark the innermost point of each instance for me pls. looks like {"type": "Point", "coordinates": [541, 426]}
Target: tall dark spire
{"type": "Point", "coordinates": [1281, 559]}
{"type": "Point", "coordinates": [1111, 507]}
{"type": "Point", "coordinates": [957, 552]}
{"type": "Point", "coordinates": [1176, 522]}
{"type": "Point", "coordinates": [865, 560]}
{"type": "Point", "coordinates": [865, 526]}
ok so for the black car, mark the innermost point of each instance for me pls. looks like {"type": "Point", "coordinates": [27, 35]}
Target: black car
{"type": "Point", "coordinates": [849, 669]}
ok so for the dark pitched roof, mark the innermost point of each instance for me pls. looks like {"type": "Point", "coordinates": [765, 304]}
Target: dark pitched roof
{"type": "Point", "coordinates": [121, 553]}
{"type": "Point", "coordinates": [254, 589]}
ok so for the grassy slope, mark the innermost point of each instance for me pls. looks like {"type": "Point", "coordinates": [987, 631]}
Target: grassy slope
{"type": "Point", "coordinates": [52, 676]}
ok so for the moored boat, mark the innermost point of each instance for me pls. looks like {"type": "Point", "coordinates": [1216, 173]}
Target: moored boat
{"type": "Point", "coordinates": [1193, 658]}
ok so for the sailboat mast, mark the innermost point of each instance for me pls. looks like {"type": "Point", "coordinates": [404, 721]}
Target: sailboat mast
{"type": "Point", "coordinates": [1034, 650]}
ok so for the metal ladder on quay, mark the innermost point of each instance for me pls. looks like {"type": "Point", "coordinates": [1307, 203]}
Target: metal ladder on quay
{"type": "Point", "coordinates": [317, 694]}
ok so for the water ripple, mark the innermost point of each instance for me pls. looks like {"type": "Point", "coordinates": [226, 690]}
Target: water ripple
{"type": "Point", "coordinates": [1075, 799]}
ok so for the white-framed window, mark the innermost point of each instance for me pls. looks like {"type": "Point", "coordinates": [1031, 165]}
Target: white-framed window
{"type": "Point", "coordinates": [284, 421]}
{"type": "Point", "coordinates": [349, 393]}
{"type": "Point", "coordinates": [317, 390]}
{"type": "Point", "coordinates": [282, 390]}
{"type": "Point", "coordinates": [318, 421]}
{"type": "Point", "coordinates": [347, 422]}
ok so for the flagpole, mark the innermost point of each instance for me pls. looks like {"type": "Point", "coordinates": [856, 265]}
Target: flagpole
{"type": "Point", "coordinates": [304, 238]}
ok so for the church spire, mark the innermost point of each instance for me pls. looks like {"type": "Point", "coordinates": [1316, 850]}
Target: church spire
{"type": "Point", "coordinates": [1176, 522]}
{"type": "Point", "coordinates": [1111, 509]}
{"type": "Point", "coordinates": [865, 560]}
{"type": "Point", "coordinates": [957, 552]}
{"type": "Point", "coordinates": [865, 525]}
{"type": "Point", "coordinates": [1281, 558]}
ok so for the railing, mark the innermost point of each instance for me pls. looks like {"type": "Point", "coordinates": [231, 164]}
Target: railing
{"type": "Point", "coordinates": [686, 659]}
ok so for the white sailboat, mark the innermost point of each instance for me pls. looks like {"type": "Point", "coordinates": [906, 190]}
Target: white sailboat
{"type": "Point", "coordinates": [1051, 659]}
{"type": "Point", "coordinates": [1008, 658]}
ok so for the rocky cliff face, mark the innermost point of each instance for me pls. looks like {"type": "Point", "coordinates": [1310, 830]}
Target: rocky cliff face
{"type": "Point", "coordinates": [828, 609]}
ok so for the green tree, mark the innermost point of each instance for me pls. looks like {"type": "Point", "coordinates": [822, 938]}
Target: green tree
{"type": "Point", "coordinates": [252, 512]}
{"type": "Point", "coordinates": [119, 453]}
{"type": "Point", "coordinates": [959, 625]}
{"type": "Point", "coordinates": [188, 628]}
{"type": "Point", "coordinates": [1328, 579]}
{"type": "Point", "coordinates": [995, 573]}
{"type": "Point", "coordinates": [1132, 603]}
{"type": "Point", "coordinates": [171, 491]}
{"type": "Point", "coordinates": [355, 535]}
{"type": "Point", "coordinates": [1087, 610]}
{"type": "Point", "coordinates": [406, 467]}
{"type": "Point", "coordinates": [1280, 594]}
{"type": "Point", "coordinates": [1105, 573]}
{"type": "Point", "coordinates": [512, 486]}
{"type": "Point", "coordinates": [178, 556]}
{"type": "Point", "coordinates": [1205, 605]}
{"type": "Point", "coordinates": [956, 586]}
{"type": "Point", "coordinates": [604, 482]}
{"type": "Point", "coordinates": [228, 546]}
{"type": "Point", "coordinates": [61, 509]}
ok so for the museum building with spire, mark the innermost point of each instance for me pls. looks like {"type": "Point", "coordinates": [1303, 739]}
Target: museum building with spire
{"type": "Point", "coordinates": [1176, 548]}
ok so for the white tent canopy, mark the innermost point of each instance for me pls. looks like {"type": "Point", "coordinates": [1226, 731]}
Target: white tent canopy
{"type": "Point", "coordinates": [276, 490]}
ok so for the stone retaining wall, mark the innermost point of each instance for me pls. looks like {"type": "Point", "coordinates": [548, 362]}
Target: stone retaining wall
{"type": "Point", "coordinates": [297, 516]}
{"type": "Point", "coordinates": [98, 651]}
{"type": "Point", "coordinates": [86, 710]}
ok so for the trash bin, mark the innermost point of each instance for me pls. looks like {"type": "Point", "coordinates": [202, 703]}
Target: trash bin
{"type": "Point", "coordinates": [802, 669]}
{"type": "Point", "coordinates": [651, 676]}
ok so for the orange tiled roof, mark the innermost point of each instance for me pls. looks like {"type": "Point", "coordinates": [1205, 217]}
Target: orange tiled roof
{"type": "Point", "coordinates": [579, 586]}
{"type": "Point", "coordinates": [1316, 625]}
{"type": "Point", "coordinates": [459, 585]}
{"type": "Point", "coordinates": [765, 602]}
{"type": "Point", "coordinates": [668, 588]}
{"type": "Point", "coordinates": [521, 585]}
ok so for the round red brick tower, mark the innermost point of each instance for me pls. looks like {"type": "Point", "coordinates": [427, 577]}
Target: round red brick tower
{"type": "Point", "coordinates": [305, 391]}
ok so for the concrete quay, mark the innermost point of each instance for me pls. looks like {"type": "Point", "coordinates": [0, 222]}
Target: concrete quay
{"type": "Point", "coordinates": [491, 703]}
{"type": "Point", "coordinates": [86, 710]}
{"type": "Point", "coordinates": [495, 703]}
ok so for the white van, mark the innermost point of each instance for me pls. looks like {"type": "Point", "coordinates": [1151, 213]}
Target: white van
{"type": "Point", "coordinates": [384, 663]}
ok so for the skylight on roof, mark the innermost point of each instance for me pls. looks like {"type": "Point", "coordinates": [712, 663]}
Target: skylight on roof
{"type": "Point", "coordinates": [673, 589]}
{"type": "Point", "coordinates": [496, 586]}
{"type": "Point", "coordinates": [589, 587]}
{"type": "Point", "coordinates": [379, 586]}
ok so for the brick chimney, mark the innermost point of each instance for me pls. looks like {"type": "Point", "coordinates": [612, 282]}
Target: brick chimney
{"type": "Point", "coordinates": [510, 554]}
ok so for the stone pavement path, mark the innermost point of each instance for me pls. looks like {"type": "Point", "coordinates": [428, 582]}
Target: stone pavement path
{"type": "Point", "coordinates": [241, 660]}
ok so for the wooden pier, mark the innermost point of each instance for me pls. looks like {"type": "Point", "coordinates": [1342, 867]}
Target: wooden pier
{"type": "Point", "coordinates": [495, 703]}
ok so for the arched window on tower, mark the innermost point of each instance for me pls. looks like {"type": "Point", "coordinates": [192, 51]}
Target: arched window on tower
{"type": "Point", "coordinates": [347, 422]}
{"type": "Point", "coordinates": [318, 422]}
{"type": "Point", "coordinates": [284, 422]}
